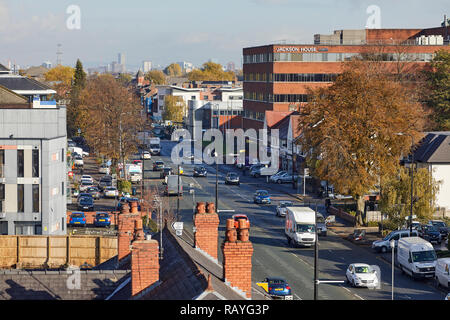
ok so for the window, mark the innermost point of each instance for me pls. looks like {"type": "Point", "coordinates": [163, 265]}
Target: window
{"type": "Point", "coordinates": [62, 155]}
{"type": "Point", "coordinates": [35, 161]}
{"type": "Point", "coordinates": [2, 196]}
{"type": "Point", "coordinates": [20, 198]}
{"type": "Point", "coordinates": [2, 162]}
{"type": "Point", "coordinates": [20, 163]}
{"type": "Point", "coordinates": [62, 188]}
{"type": "Point", "coordinates": [36, 204]}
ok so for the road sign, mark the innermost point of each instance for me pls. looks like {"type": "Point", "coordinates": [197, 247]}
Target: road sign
{"type": "Point", "coordinates": [179, 232]}
{"type": "Point", "coordinates": [177, 225]}
{"type": "Point", "coordinates": [306, 172]}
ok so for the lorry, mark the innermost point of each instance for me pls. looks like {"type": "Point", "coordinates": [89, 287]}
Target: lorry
{"type": "Point", "coordinates": [174, 185]}
{"type": "Point", "coordinates": [416, 257]}
{"type": "Point", "coordinates": [300, 226]}
{"type": "Point", "coordinates": [155, 146]}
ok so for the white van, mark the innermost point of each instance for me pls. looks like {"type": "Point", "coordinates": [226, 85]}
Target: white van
{"type": "Point", "coordinates": [300, 226]}
{"type": "Point", "coordinates": [174, 184]}
{"type": "Point", "coordinates": [442, 272]}
{"type": "Point", "coordinates": [416, 257]}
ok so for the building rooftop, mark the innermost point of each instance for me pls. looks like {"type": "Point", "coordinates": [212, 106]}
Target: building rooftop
{"type": "Point", "coordinates": [23, 85]}
{"type": "Point", "coordinates": [434, 148]}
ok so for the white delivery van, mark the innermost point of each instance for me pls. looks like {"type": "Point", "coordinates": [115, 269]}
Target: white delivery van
{"type": "Point", "coordinates": [155, 146]}
{"type": "Point", "coordinates": [416, 257]}
{"type": "Point", "coordinates": [300, 226]}
{"type": "Point", "coordinates": [442, 272]}
{"type": "Point", "coordinates": [174, 184]}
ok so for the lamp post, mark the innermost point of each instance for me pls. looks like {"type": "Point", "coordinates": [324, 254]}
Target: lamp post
{"type": "Point", "coordinates": [217, 180]}
{"type": "Point", "coordinates": [412, 178]}
{"type": "Point", "coordinates": [392, 243]}
{"type": "Point", "coordinates": [316, 258]}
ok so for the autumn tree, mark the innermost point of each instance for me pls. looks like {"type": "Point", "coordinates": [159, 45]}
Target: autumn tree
{"type": "Point", "coordinates": [439, 94]}
{"type": "Point", "coordinates": [350, 129]}
{"type": "Point", "coordinates": [174, 108]}
{"type": "Point", "coordinates": [396, 195]}
{"type": "Point", "coordinates": [211, 72]}
{"type": "Point", "coordinates": [62, 77]}
{"type": "Point", "coordinates": [124, 79]}
{"type": "Point", "coordinates": [173, 70]}
{"type": "Point", "coordinates": [110, 117]}
{"type": "Point", "coordinates": [156, 76]}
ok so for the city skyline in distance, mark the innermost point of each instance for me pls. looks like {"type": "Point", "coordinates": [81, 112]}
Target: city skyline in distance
{"type": "Point", "coordinates": [180, 31]}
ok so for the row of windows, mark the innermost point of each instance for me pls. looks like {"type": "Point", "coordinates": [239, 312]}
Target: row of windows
{"type": "Point", "coordinates": [290, 77]}
{"type": "Point", "coordinates": [333, 57]}
{"type": "Point", "coordinates": [267, 97]}
{"type": "Point", "coordinates": [21, 197]}
{"type": "Point", "coordinates": [228, 112]}
{"type": "Point", "coordinates": [253, 115]}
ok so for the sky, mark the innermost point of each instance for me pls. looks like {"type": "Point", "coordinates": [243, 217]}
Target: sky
{"type": "Point", "coordinates": [196, 31]}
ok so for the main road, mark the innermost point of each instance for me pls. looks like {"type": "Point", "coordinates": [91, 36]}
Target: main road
{"type": "Point", "coordinates": [272, 256]}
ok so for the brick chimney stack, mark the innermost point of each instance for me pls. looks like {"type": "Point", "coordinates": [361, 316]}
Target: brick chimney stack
{"type": "Point", "coordinates": [237, 257]}
{"type": "Point", "coordinates": [206, 223]}
{"type": "Point", "coordinates": [144, 264]}
{"type": "Point", "coordinates": [126, 226]}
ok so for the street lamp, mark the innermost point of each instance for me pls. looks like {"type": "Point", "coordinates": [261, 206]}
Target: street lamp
{"type": "Point", "coordinates": [412, 178]}
{"type": "Point", "coordinates": [392, 243]}
{"type": "Point", "coordinates": [217, 180]}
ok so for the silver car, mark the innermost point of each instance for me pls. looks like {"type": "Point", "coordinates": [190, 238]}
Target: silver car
{"type": "Point", "coordinates": [281, 208]}
{"type": "Point", "coordinates": [321, 225]}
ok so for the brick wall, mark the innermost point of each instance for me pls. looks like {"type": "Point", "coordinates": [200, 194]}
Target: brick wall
{"type": "Point", "coordinates": [125, 233]}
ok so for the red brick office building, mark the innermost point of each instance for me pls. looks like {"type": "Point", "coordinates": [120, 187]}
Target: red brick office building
{"type": "Point", "coordinates": [277, 76]}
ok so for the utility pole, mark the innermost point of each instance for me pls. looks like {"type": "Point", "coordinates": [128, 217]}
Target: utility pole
{"type": "Point", "coordinates": [217, 181]}
{"type": "Point", "coordinates": [316, 259]}
{"type": "Point", "coordinates": [178, 194]}
{"type": "Point", "coordinates": [412, 185]}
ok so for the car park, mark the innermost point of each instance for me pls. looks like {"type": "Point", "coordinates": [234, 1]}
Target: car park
{"type": "Point", "coordinates": [102, 219]}
{"type": "Point", "coordinates": [158, 165]}
{"type": "Point", "coordinates": [261, 197]}
{"type": "Point", "coordinates": [86, 204]}
{"type": "Point", "coordinates": [232, 178]}
{"type": "Point", "coordinates": [281, 208]}
{"type": "Point", "coordinates": [277, 288]}
{"type": "Point", "coordinates": [110, 192]}
{"type": "Point", "coordinates": [95, 192]}
{"type": "Point", "coordinates": [361, 275]}
{"type": "Point", "coordinates": [104, 169]}
{"type": "Point", "coordinates": [77, 219]}
{"type": "Point", "coordinates": [442, 272]}
{"type": "Point", "coordinates": [430, 233]}
{"type": "Point", "coordinates": [200, 171]}
{"type": "Point", "coordinates": [384, 244]}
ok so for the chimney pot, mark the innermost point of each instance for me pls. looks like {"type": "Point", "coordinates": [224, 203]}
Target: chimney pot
{"type": "Point", "coordinates": [210, 207]}
{"type": "Point", "coordinates": [201, 207]}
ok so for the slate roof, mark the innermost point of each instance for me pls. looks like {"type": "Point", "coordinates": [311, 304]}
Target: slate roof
{"type": "Point", "coordinates": [22, 83]}
{"type": "Point", "coordinates": [3, 68]}
{"type": "Point", "coordinates": [434, 148]}
{"type": "Point", "coordinates": [52, 285]}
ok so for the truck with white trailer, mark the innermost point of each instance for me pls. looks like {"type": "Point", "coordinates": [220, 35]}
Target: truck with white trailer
{"type": "Point", "coordinates": [155, 146]}
{"type": "Point", "coordinates": [300, 226]}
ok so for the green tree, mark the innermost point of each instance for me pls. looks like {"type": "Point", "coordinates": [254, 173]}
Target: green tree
{"type": "Point", "coordinates": [156, 76]}
{"type": "Point", "coordinates": [174, 108]}
{"type": "Point", "coordinates": [211, 72]}
{"type": "Point", "coordinates": [396, 195]}
{"type": "Point", "coordinates": [173, 70]}
{"type": "Point", "coordinates": [73, 110]}
{"type": "Point", "coordinates": [349, 129]}
{"type": "Point", "coordinates": [80, 75]}
{"type": "Point", "coordinates": [439, 95]}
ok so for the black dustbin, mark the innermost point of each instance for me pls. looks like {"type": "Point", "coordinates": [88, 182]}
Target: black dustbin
{"type": "Point", "coordinates": [133, 191]}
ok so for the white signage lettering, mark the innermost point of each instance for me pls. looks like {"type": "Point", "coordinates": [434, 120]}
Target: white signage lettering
{"type": "Point", "coordinates": [296, 49]}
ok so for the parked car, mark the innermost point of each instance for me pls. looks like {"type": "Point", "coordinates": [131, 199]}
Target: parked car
{"type": "Point", "coordinates": [282, 177]}
{"type": "Point", "coordinates": [430, 233]}
{"type": "Point", "coordinates": [135, 177]}
{"type": "Point", "coordinates": [232, 178]}
{"type": "Point", "coordinates": [95, 192]}
{"type": "Point", "coordinates": [262, 196]}
{"type": "Point", "coordinates": [87, 177]}
{"type": "Point", "coordinates": [83, 194]}
{"type": "Point", "coordinates": [86, 204]}
{"type": "Point", "coordinates": [104, 169]}
{"type": "Point", "coordinates": [77, 219]}
{"type": "Point", "coordinates": [281, 208]}
{"type": "Point", "coordinates": [361, 275]}
{"type": "Point", "coordinates": [102, 219]}
{"type": "Point", "coordinates": [384, 244]}
{"type": "Point", "coordinates": [200, 171]}
{"type": "Point", "coordinates": [110, 192]}
{"type": "Point", "coordinates": [145, 155]}
{"type": "Point", "coordinates": [105, 181]}
{"type": "Point", "coordinates": [78, 161]}
{"type": "Point", "coordinates": [321, 225]}
{"type": "Point", "coordinates": [441, 226]}
{"type": "Point", "coordinates": [277, 288]}
{"type": "Point", "coordinates": [237, 217]}
{"type": "Point", "coordinates": [158, 165]}
{"type": "Point", "coordinates": [166, 171]}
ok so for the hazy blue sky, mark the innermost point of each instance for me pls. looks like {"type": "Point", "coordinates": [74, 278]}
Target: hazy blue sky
{"type": "Point", "coordinates": [195, 31]}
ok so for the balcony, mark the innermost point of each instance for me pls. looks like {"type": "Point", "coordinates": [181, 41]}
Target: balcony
{"type": "Point", "coordinates": [37, 103]}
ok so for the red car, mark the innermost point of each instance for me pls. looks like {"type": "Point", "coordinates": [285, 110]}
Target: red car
{"type": "Point", "coordinates": [237, 217]}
